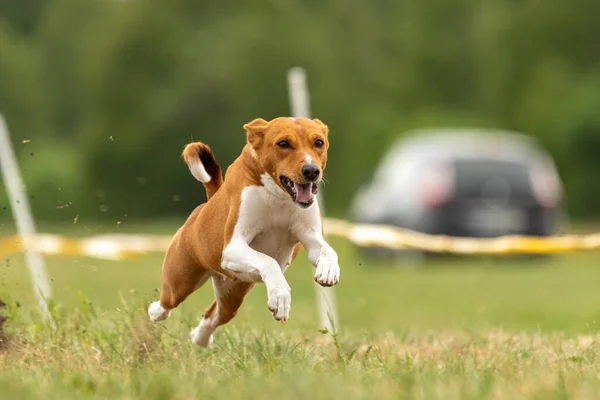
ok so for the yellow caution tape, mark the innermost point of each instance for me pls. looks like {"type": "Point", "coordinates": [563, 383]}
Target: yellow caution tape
{"type": "Point", "coordinates": [392, 237]}
{"type": "Point", "coordinates": [111, 247]}
{"type": "Point", "coordinates": [116, 247]}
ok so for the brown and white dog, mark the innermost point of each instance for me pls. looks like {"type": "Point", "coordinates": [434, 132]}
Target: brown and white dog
{"type": "Point", "coordinates": [253, 225]}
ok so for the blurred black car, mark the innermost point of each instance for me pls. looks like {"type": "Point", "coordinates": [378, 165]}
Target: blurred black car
{"type": "Point", "coordinates": [465, 183]}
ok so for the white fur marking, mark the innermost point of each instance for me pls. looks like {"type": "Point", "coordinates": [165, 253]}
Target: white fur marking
{"type": "Point", "coordinates": [292, 118]}
{"type": "Point", "coordinates": [267, 230]}
{"type": "Point", "coordinates": [197, 169]}
{"type": "Point", "coordinates": [308, 159]}
{"type": "Point", "coordinates": [328, 269]}
{"type": "Point", "coordinates": [320, 254]}
{"type": "Point", "coordinates": [273, 187]}
{"type": "Point", "coordinates": [157, 312]}
{"type": "Point", "coordinates": [251, 265]}
{"type": "Point", "coordinates": [253, 153]}
{"type": "Point", "coordinates": [202, 335]}
{"type": "Point", "coordinates": [263, 243]}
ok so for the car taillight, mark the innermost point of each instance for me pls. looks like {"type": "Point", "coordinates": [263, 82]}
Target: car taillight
{"type": "Point", "coordinates": [546, 186]}
{"type": "Point", "coordinates": [438, 186]}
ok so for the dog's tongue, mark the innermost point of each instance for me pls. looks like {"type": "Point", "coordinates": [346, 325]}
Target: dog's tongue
{"type": "Point", "coordinates": [303, 192]}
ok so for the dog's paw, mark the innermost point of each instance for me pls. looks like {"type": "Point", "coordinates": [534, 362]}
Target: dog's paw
{"type": "Point", "coordinates": [201, 337]}
{"type": "Point", "coordinates": [157, 313]}
{"type": "Point", "coordinates": [280, 301]}
{"type": "Point", "coordinates": [327, 273]}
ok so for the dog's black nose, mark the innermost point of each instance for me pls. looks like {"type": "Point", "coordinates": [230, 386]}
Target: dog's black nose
{"type": "Point", "coordinates": [311, 172]}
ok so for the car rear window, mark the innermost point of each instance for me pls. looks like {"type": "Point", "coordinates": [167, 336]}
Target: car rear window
{"type": "Point", "coordinates": [478, 178]}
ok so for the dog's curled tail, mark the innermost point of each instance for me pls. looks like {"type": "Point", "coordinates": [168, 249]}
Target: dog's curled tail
{"type": "Point", "coordinates": [203, 165]}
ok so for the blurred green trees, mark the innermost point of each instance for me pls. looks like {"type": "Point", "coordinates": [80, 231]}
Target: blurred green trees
{"type": "Point", "coordinates": [108, 91]}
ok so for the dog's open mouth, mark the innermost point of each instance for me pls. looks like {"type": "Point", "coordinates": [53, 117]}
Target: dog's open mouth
{"type": "Point", "coordinates": [302, 193]}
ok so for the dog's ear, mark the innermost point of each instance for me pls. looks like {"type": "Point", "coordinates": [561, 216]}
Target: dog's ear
{"type": "Point", "coordinates": [255, 131]}
{"type": "Point", "coordinates": [324, 128]}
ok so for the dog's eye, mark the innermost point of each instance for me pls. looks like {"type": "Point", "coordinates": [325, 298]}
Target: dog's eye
{"type": "Point", "coordinates": [319, 143]}
{"type": "Point", "coordinates": [284, 144]}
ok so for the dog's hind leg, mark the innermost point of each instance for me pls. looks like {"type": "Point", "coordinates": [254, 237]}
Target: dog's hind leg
{"type": "Point", "coordinates": [180, 278]}
{"type": "Point", "coordinates": [229, 296]}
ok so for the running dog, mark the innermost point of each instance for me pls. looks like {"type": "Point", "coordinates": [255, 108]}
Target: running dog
{"type": "Point", "coordinates": [253, 225]}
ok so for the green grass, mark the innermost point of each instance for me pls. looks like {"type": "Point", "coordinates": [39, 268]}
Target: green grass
{"type": "Point", "coordinates": [454, 329]}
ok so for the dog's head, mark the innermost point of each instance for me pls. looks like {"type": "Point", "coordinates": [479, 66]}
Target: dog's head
{"type": "Point", "coordinates": [293, 152]}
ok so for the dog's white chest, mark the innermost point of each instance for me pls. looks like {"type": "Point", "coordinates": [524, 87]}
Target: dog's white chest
{"type": "Point", "coordinates": [277, 244]}
{"type": "Point", "coordinates": [266, 219]}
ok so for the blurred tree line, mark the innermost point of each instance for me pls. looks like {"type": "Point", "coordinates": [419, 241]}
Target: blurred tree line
{"type": "Point", "coordinates": [109, 91]}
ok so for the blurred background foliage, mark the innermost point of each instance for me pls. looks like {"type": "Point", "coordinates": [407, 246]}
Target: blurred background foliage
{"type": "Point", "coordinates": [110, 91]}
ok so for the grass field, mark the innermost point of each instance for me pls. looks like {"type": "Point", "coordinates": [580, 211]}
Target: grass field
{"type": "Point", "coordinates": [454, 329]}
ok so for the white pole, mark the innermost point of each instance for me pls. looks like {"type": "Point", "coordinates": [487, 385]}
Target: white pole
{"type": "Point", "coordinates": [300, 107]}
{"type": "Point", "coordinates": [23, 218]}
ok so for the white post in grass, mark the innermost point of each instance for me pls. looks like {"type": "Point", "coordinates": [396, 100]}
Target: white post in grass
{"type": "Point", "coordinates": [23, 218]}
{"type": "Point", "coordinates": [300, 107]}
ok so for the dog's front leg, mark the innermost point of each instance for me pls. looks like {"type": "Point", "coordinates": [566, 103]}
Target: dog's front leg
{"type": "Point", "coordinates": [247, 264]}
{"type": "Point", "coordinates": [321, 255]}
